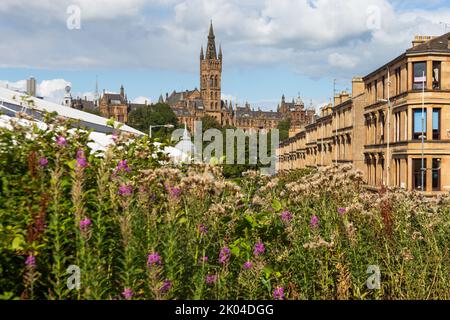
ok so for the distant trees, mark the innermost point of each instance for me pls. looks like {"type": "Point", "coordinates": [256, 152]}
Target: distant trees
{"type": "Point", "coordinates": [283, 127]}
{"type": "Point", "coordinates": [157, 114]}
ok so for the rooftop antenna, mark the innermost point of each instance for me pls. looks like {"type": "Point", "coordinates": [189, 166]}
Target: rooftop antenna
{"type": "Point", "coordinates": [445, 26]}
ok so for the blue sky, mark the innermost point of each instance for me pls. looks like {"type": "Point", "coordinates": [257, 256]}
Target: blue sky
{"type": "Point", "coordinates": [152, 47]}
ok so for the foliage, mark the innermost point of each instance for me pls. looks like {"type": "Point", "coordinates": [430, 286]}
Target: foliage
{"type": "Point", "coordinates": [139, 230]}
{"type": "Point", "coordinates": [284, 127]}
{"type": "Point", "coordinates": [156, 114]}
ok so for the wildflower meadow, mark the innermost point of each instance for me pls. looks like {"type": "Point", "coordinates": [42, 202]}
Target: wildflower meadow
{"type": "Point", "coordinates": [126, 224]}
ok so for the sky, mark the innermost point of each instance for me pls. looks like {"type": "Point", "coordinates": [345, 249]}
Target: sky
{"type": "Point", "coordinates": [270, 47]}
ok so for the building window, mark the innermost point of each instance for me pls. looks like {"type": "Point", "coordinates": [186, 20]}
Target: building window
{"type": "Point", "coordinates": [383, 87]}
{"type": "Point", "coordinates": [436, 175]}
{"type": "Point", "coordinates": [420, 75]}
{"type": "Point", "coordinates": [418, 122]}
{"type": "Point", "coordinates": [436, 124]}
{"type": "Point", "coordinates": [419, 173]}
{"type": "Point", "coordinates": [436, 75]}
{"type": "Point", "coordinates": [398, 80]}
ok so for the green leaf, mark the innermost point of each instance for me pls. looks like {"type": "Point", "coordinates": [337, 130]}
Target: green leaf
{"type": "Point", "coordinates": [276, 205]}
{"type": "Point", "coordinates": [17, 243]}
{"type": "Point", "coordinates": [235, 251]}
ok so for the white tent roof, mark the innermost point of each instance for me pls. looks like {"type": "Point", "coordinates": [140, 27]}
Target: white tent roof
{"type": "Point", "coordinates": [14, 97]}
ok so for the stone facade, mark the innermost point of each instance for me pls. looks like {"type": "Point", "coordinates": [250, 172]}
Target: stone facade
{"type": "Point", "coordinates": [113, 105]}
{"type": "Point", "coordinates": [379, 128]}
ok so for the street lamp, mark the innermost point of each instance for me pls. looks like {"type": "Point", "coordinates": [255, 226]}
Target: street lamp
{"type": "Point", "coordinates": [388, 138]}
{"type": "Point", "coordinates": [170, 126]}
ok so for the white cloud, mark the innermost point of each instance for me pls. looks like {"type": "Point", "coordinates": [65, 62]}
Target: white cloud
{"type": "Point", "coordinates": [229, 97]}
{"type": "Point", "coordinates": [20, 85]}
{"type": "Point", "coordinates": [341, 60]}
{"type": "Point", "coordinates": [312, 37]}
{"type": "Point", "coordinates": [52, 90]}
{"type": "Point", "coordinates": [142, 100]}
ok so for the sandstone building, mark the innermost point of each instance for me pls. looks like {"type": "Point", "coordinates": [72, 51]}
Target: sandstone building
{"type": "Point", "coordinates": [395, 126]}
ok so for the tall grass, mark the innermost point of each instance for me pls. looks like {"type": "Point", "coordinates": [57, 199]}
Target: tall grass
{"type": "Point", "coordinates": [138, 229]}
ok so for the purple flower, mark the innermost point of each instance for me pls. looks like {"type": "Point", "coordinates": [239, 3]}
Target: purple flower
{"type": "Point", "coordinates": [211, 278]}
{"type": "Point", "coordinates": [224, 255]}
{"type": "Point", "coordinates": [203, 260]}
{"type": "Point", "coordinates": [31, 261]}
{"type": "Point", "coordinates": [123, 166]}
{"type": "Point", "coordinates": [153, 259]}
{"type": "Point", "coordinates": [43, 162]}
{"type": "Point", "coordinates": [175, 192]}
{"type": "Point", "coordinates": [342, 210]}
{"type": "Point", "coordinates": [248, 265]}
{"type": "Point", "coordinates": [314, 223]}
{"type": "Point", "coordinates": [166, 286]}
{"type": "Point", "coordinates": [286, 216]}
{"type": "Point", "coordinates": [259, 249]}
{"type": "Point", "coordinates": [278, 293]}
{"type": "Point", "coordinates": [85, 223]}
{"type": "Point", "coordinates": [202, 229]}
{"type": "Point", "coordinates": [125, 190]}
{"type": "Point", "coordinates": [127, 293]}
{"type": "Point", "coordinates": [81, 159]}
{"type": "Point", "coordinates": [61, 141]}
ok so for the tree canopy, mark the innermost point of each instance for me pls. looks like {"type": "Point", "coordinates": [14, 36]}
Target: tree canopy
{"type": "Point", "coordinates": [157, 114]}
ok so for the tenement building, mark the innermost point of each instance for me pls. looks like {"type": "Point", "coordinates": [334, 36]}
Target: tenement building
{"type": "Point", "coordinates": [193, 105]}
{"type": "Point", "coordinates": [395, 126]}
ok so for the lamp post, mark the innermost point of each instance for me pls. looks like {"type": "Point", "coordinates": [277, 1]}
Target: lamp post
{"type": "Point", "coordinates": [158, 126]}
{"type": "Point", "coordinates": [423, 133]}
{"type": "Point", "coordinates": [388, 133]}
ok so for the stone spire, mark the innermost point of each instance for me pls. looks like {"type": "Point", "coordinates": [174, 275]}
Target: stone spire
{"type": "Point", "coordinates": [220, 52]}
{"type": "Point", "coordinates": [122, 91]}
{"type": "Point", "coordinates": [202, 56]}
{"type": "Point", "coordinates": [211, 49]}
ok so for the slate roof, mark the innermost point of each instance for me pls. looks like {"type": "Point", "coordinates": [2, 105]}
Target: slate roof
{"type": "Point", "coordinates": [242, 113]}
{"type": "Point", "coordinates": [176, 97]}
{"type": "Point", "coordinates": [83, 104]}
{"type": "Point", "coordinates": [440, 44]}
{"type": "Point", "coordinates": [114, 96]}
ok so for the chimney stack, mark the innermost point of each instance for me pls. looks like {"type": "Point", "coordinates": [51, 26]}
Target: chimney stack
{"type": "Point", "coordinates": [357, 86]}
{"type": "Point", "coordinates": [421, 39]}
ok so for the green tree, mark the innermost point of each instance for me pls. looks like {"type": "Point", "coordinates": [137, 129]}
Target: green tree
{"type": "Point", "coordinates": [284, 127]}
{"type": "Point", "coordinates": [157, 114]}
{"type": "Point", "coordinates": [209, 122]}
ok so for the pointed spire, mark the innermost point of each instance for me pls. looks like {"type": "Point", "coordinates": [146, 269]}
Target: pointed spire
{"type": "Point", "coordinates": [220, 52]}
{"type": "Point", "coordinates": [211, 49]}
{"type": "Point", "coordinates": [211, 31]}
{"type": "Point", "coordinates": [202, 56]}
{"type": "Point", "coordinates": [122, 91]}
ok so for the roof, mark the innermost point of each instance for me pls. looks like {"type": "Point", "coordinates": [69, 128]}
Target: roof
{"type": "Point", "coordinates": [13, 100]}
{"type": "Point", "coordinates": [83, 104]}
{"type": "Point", "coordinates": [114, 96]}
{"type": "Point", "coordinates": [242, 112]}
{"type": "Point", "coordinates": [440, 43]}
{"type": "Point", "coordinates": [176, 97]}
{"type": "Point", "coordinates": [184, 112]}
